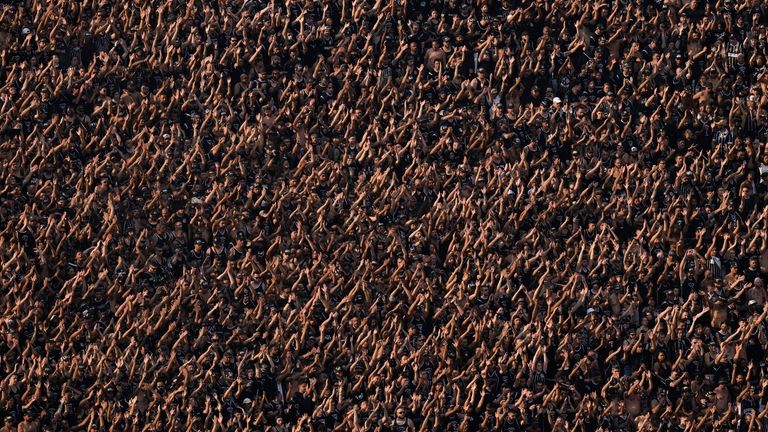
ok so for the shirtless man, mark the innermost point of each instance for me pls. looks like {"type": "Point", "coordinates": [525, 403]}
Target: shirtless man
{"type": "Point", "coordinates": [722, 397]}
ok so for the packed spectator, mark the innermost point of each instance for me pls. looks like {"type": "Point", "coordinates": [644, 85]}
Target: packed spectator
{"type": "Point", "coordinates": [390, 215]}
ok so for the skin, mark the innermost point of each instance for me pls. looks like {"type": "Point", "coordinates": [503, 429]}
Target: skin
{"type": "Point", "coordinates": [292, 197]}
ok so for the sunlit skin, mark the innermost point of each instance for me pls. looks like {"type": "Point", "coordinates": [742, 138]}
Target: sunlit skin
{"type": "Point", "coordinates": [383, 215]}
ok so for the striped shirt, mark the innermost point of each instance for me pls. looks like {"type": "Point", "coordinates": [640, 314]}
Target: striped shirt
{"type": "Point", "coordinates": [715, 267]}
{"type": "Point", "coordinates": [734, 48]}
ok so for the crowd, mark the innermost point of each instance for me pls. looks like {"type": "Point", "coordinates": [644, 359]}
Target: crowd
{"type": "Point", "coordinates": [389, 215]}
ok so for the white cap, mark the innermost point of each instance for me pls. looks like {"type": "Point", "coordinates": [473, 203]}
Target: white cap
{"type": "Point", "coordinates": [26, 31]}
{"type": "Point", "coordinates": [590, 310]}
{"type": "Point", "coordinates": [556, 100]}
